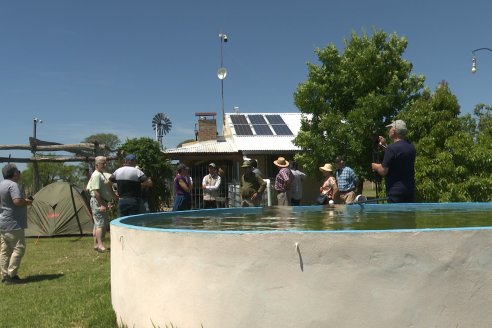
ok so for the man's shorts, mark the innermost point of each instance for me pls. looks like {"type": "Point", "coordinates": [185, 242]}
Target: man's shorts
{"type": "Point", "coordinates": [100, 218]}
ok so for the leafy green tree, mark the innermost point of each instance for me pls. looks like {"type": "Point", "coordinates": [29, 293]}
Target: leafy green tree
{"type": "Point", "coordinates": [153, 163]}
{"type": "Point", "coordinates": [349, 98]}
{"type": "Point", "coordinates": [48, 173]}
{"type": "Point", "coordinates": [453, 152]}
{"type": "Point", "coordinates": [111, 143]}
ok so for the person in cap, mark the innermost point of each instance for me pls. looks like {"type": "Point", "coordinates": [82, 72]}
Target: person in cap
{"type": "Point", "coordinates": [182, 189]}
{"type": "Point", "coordinates": [296, 185]}
{"type": "Point", "coordinates": [330, 184]}
{"type": "Point", "coordinates": [13, 221]}
{"type": "Point", "coordinates": [129, 181]}
{"type": "Point", "coordinates": [398, 166]}
{"type": "Point", "coordinates": [251, 186]}
{"type": "Point", "coordinates": [101, 193]}
{"type": "Point", "coordinates": [347, 182]}
{"type": "Point", "coordinates": [211, 187]}
{"type": "Point", "coordinates": [283, 181]}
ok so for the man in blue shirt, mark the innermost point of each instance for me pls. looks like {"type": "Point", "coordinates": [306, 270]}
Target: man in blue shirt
{"type": "Point", "coordinates": [398, 166]}
{"type": "Point", "coordinates": [347, 182]}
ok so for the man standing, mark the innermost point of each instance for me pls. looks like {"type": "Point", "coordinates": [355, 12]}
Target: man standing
{"type": "Point", "coordinates": [13, 221]}
{"type": "Point", "coordinates": [101, 192]}
{"type": "Point", "coordinates": [129, 181]}
{"type": "Point", "coordinates": [398, 166]}
{"type": "Point", "coordinates": [210, 186]}
{"type": "Point", "coordinates": [346, 181]}
{"type": "Point", "coordinates": [251, 185]}
{"type": "Point", "coordinates": [283, 181]}
{"type": "Point", "coordinates": [296, 187]}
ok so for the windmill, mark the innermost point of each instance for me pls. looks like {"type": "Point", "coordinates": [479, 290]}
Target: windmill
{"type": "Point", "coordinates": [162, 125]}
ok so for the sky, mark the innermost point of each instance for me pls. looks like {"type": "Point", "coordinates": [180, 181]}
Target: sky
{"type": "Point", "coordinates": [109, 66]}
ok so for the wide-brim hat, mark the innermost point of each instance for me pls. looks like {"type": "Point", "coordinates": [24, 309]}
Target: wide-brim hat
{"type": "Point", "coordinates": [326, 168]}
{"type": "Point", "coordinates": [281, 162]}
{"type": "Point", "coordinates": [246, 163]}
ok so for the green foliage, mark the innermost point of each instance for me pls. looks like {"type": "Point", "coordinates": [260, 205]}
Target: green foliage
{"type": "Point", "coordinates": [350, 97]}
{"type": "Point", "coordinates": [48, 173]}
{"type": "Point", "coordinates": [453, 153]}
{"type": "Point", "coordinates": [111, 143]}
{"type": "Point", "coordinates": [153, 163]}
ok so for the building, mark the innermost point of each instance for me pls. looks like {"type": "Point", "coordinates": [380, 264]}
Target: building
{"type": "Point", "coordinates": [259, 136]}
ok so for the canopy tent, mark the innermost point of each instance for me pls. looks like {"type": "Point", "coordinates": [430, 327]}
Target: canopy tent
{"type": "Point", "coordinates": [59, 209]}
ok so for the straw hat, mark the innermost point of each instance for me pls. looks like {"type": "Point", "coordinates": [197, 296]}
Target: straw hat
{"type": "Point", "coordinates": [281, 162]}
{"type": "Point", "coordinates": [326, 168]}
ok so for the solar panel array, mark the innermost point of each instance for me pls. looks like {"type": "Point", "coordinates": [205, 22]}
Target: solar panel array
{"type": "Point", "coordinates": [260, 125]}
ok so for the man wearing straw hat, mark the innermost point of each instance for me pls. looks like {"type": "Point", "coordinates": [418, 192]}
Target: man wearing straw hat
{"type": "Point", "coordinates": [282, 181]}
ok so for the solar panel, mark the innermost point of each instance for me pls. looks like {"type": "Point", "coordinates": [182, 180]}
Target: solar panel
{"type": "Point", "coordinates": [241, 125]}
{"type": "Point", "coordinates": [243, 130]}
{"type": "Point", "coordinates": [257, 119]}
{"type": "Point", "coordinates": [238, 119]}
{"type": "Point", "coordinates": [275, 119]}
{"type": "Point", "coordinates": [282, 130]}
{"type": "Point", "coordinates": [278, 125]}
{"type": "Point", "coordinates": [262, 129]}
{"type": "Point", "coordinates": [260, 125]}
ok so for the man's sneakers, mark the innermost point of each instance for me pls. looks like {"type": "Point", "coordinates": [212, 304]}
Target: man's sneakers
{"type": "Point", "coordinates": [15, 280]}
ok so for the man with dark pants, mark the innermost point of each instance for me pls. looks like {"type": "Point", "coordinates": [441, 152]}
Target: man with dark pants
{"type": "Point", "coordinates": [130, 181]}
{"type": "Point", "coordinates": [283, 181]}
{"type": "Point", "coordinates": [13, 221]}
{"type": "Point", "coordinates": [398, 166]}
{"type": "Point", "coordinates": [210, 186]}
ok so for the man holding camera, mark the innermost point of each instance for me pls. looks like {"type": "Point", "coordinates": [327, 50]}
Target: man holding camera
{"type": "Point", "coordinates": [13, 221]}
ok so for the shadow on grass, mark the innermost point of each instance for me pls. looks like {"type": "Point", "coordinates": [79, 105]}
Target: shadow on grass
{"type": "Point", "coordinates": [41, 277]}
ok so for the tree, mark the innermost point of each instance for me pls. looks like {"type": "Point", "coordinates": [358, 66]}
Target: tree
{"type": "Point", "coordinates": [153, 163]}
{"type": "Point", "coordinates": [111, 142]}
{"type": "Point", "coordinates": [350, 97]}
{"type": "Point", "coordinates": [48, 173]}
{"type": "Point", "coordinates": [453, 152]}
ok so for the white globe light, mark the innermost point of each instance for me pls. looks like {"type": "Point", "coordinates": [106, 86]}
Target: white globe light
{"type": "Point", "coordinates": [222, 73]}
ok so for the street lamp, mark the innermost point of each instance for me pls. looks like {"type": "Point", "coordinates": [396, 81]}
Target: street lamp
{"type": "Point", "coordinates": [35, 121]}
{"type": "Point", "coordinates": [222, 73]}
{"type": "Point", "coordinates": [35, 168]}
{"type": "Point", "coordinates": [474, 59]}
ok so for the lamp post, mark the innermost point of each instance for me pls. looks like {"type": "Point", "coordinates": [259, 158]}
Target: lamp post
{"type": "Point", "coordinates": [222, 73]}
{"type": "Point", "coordinates": [35, 168]}
{"type": "Point", "coordinates": [474, 59]}
{"type": "Point", "coordinates": [35, 123]}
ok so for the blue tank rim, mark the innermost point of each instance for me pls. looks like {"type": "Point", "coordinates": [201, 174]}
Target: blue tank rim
{"type": "Point", "coordinates": [125, 222]}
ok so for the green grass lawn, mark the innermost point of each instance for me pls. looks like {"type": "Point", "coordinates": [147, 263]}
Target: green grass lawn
{"type": "Point", "coordinates": [67, 284]}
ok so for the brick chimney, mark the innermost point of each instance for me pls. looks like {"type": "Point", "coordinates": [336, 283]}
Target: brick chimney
{"type": "Point", "coordinates": [207, 126]}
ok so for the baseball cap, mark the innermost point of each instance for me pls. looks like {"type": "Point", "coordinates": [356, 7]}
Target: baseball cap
{"type": "Point", "coordinates": [130, 157]}
{"type": "Point", "coordinates": [399, 125]}
{"type": "Point", "coordinates": [212, 164]}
